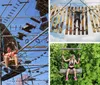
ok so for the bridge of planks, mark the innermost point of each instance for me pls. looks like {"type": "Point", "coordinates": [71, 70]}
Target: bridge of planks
{"type": "Point", "coordinates": [65, 19]}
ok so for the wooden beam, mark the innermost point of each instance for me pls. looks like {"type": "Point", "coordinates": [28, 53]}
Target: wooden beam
{"type": "Point", "coordinates": [74, 31]}
{"type": "Point", "coordinates": [63, 71]}
{"type": "Point", "coordinates": [71, 21]}
{"type": "Point", "coordinates": [70, 48]}
{"type": "Point", "coordinates": [67, 21]}
{"type": "Point", "coordinates": [63, 12]}
{"type": "Point", "coordinates": [92, 22]}
{"type": "Point", "coordinates": [83, 19]}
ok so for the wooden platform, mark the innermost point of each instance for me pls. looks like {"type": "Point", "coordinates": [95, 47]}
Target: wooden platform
{"type": "Point", "coordinates": [67, 16]}
{"type": "Point", "coordinates": [13, 73]}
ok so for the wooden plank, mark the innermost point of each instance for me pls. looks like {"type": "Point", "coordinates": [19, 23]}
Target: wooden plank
{"type": "Point", "coordinates": [83, 20]}
{"type": "Point", "coordinates": [67, 21]}
{"type": "Point", "coordinates": [92, 22]}
{"type": "Point", "coordinates": [13, 73]}
{"type": "Point", "coordinates": [98, 18]}
{"type": "Point", "coordinates": [57, 22]}
{"type": "Point", "coordinates": [54, 22]}
{"type": "Point", "coordinates": [95, 19]}
{"type": "Point", "coordinates": [86, 21]}
{"type": "Point", "coordinates": [53, 11]}
{"type": "Point", "coordinates": [63, 71]}
{"type": "Point", "coordinates": [79, 23]}
{"type": "Point", "coordinates": [74, 31]}
{"type": "Point", "coordinates": [62, 21]}
{"type": "Point", "coordinates": [70, 49]}
{"type": "Point", "coordinates": [71, 20]}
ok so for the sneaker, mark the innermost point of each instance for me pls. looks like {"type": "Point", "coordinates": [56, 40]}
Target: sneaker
{"type": "Point", "coordinates": [6, 70]}
{"type": "Point", "coordinates": [66, 78]}
{"type": "Point", "coordinates": [16, 67]}
{"type": "Point", "coordinates": [75, 78]}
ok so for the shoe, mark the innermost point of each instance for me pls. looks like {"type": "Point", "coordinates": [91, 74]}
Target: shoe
{"type": "Point", "coordinates": [66, 78]}
{"type": "Point", "coordinates": [6, 70]}
{"type": "Point", "coordinates": [75, 78]}
{"type": "Point", "coordinates": [17, 67]}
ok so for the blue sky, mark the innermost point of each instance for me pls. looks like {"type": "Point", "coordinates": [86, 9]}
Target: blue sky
{"type": "Point", "coordinates": [61, 37]}
{"type": "Point", "coordinates": [27, 12]}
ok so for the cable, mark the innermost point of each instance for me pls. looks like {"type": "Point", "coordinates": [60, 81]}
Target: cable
{"type": "Point", "coordinates": [33, 39]}
{"type": "Point", "coordinates": [90, 8]}
{"type": "Point", "coordinates": [61, 9]}
{"type": "Point", "coordinates": [13, 18]}
{"type": "Point", "coordinates": [5, 8]}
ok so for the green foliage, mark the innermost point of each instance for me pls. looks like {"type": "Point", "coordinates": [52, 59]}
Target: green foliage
{"type": "Point", "coordinates": [90, 64]}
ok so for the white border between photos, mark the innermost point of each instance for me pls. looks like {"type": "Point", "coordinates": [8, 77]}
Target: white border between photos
{"type": "Point", "coordinates": [49, 44]}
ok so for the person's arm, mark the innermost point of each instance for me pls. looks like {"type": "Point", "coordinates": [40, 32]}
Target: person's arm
{"type": "Point", "coordinates": [15, 51]}
{"type": "Point", "coordinates": [77, 62]}
{"type": "Point", "coordinates": [65, 59]}
{"type": "Point", "coordinates": [3, 53]}
{"type": "Point", "coordinates": [73, 11]}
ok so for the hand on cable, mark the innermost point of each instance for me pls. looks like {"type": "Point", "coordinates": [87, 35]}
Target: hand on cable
{"type": "Point", "coordinates": [12, 42]}
{"type": "Point", "coordinates": [78, 59]}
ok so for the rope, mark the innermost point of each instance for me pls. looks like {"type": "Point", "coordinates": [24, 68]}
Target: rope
{"type": "Point", "coordinates": [14, 18]}
{"type": "Point", "coordinates": [33, 39]}
{"type": "Point", "coordinates": [5, 8]}
{"type": "Point", "coordinates": [61, 9]}
{"type": "Point", "coordinates": [90, 8]}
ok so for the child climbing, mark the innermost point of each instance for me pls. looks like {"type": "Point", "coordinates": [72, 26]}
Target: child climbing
{"type": "Point", "coordinates": [72, 61]}
{"type": "Point", "coordinates": [11, 54]}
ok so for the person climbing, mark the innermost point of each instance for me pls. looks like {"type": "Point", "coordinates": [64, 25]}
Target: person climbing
{"type": "Point", "coordinates": [72, 61]}
{"type": "Point", "coordinates": [77, 17]}
{"type": "Point", "coordinates": [11, 54]}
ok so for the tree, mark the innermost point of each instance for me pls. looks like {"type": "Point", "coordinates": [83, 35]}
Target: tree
{"type": "Point", "coordinates": [90, 64]}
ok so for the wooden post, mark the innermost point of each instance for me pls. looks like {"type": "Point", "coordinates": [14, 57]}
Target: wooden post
{"type": "Point", "coordinates": [74, 31]}
{"type": "Point", "coordinates": [67, 21]}
{"type": "Point", "coordinates": [97, 20]}
{"type": "Point", "coordinates": [92, 22]}
{"type": "Point", "coordinates": [63, 18]}
{"type": "Point", "coordinates": [82, 20]}
{"type": "Point", "coordinates": [71, 20]}
{"type": "Point", "coordinates": [78, 22]}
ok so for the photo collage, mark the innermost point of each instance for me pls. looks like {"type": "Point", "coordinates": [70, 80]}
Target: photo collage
{"type": "Point", "coordinates": [49, 42]}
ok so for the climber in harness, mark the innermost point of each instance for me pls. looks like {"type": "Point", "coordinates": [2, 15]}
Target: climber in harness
{"type": "Point", "coordinates": [72, 61]}
{"type": "Point", "coordinates": [10, 54]}
{"type": "Point", "coordinates": [77, 16]}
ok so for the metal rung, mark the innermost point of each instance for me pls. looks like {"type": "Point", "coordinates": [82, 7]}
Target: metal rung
{"type": "Point", "coordinates": [17, 4]}
{"type": "Point", "coordinates": [14, 7]}
{"type": "Point", "coordinates": [13, 10]}
{"type": "Point", "coordinates": [9, 15]}
{"type": "Point", "coordinates": [6, 4]}
{"type": "Point", "coordinates": [5, 19]}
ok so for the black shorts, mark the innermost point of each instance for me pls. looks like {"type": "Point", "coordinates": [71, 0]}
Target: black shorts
{"type": "Point", "coordinates": [71, 67]}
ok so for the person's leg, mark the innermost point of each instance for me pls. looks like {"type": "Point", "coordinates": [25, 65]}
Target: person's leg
{"type": "Point", "coordinates": [16, 60]}
{"type": "Point", "coordinates": [67, 73]}
{"type": "Point", "coordinates": [6, 60]}
{"type": "Point", "coordinates": [75, 78]}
